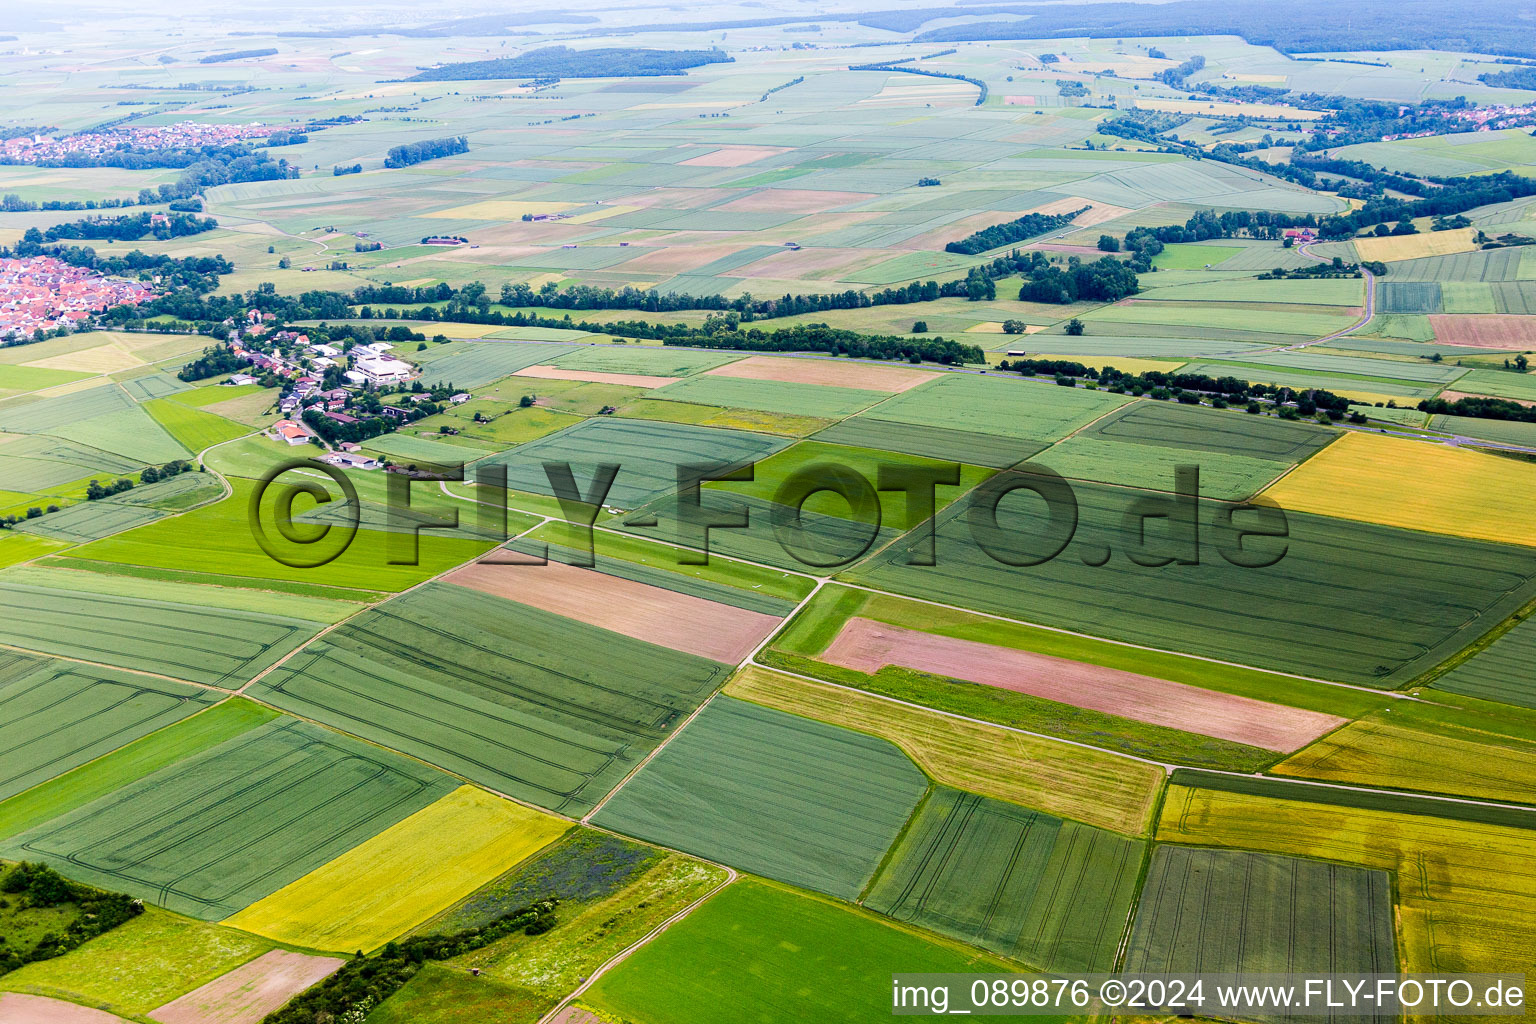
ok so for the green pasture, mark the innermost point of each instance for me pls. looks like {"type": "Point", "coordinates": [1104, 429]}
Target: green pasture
{"type": "Point", "coordinates": [819, 400]}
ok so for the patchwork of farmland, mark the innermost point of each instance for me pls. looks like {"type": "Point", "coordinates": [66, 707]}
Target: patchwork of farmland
{"type": "Point", "coordinates": [524, 701]}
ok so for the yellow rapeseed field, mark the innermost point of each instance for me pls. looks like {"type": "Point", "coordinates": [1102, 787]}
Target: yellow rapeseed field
{"type": "Point", "coordinates": [1466, 891]}
{"type": "Point", "coordinates": [1418, 485]}
{"type": "Point", "coordinates": [404, 875]}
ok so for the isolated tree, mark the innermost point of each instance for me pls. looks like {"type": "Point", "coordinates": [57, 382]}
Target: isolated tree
{"type": "Point", "coordinates": [1075, 327]}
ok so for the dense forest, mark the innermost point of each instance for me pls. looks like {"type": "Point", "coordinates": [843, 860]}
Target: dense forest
{"type": "Point", "coordinates": [1300, 26]}
{"type": "Point", "coordinates": [416, 152]}
{"type": "Point", "coordinates": [129, 228]}
{"type": "Point", "coordinates": [1515, 78]}
{"type": "Point", "coordinates": [219, 58]}
{"type": "Point", "coordinates": [564, 62]}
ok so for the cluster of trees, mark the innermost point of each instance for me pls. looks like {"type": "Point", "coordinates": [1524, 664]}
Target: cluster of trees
{"type": "Point", "coordinates": [198, 273]}
{"type": "Point", "coordinates": [892, 66]}
{"type": "Point", "coordinates": [1480, 408]}
{"type": "Point", "coordinates": [339, 170]}
{"type": "Point", "coordinates": [1516, 78]}
{"type": "Point", "coordinates": [1176, 78]}
{"type": "Point", "coordinates": [95, 490]}
{"type": "Point", "coordinates": [564, 62]}
{"type": "Point", "coordinates": [1027, 226]}
{"type": "Point", "coordinates": [39, 887]}
{"type": "Point", "coordinates": [203, 166]}
{"type": "Point", "coordinates": [287, 138]}
{"type": "Point", "coordinates": [778, 88]}
{"type": "Point", "coordinates": [13, 203]}
{"type": "Point", "coordinates": [1336, 268]}
{"type": "Point", "coordinates": [129, 228]}
{"type": "Point", "coordinates": [365, 982]}
{"type": "Point", "coordinates": [215, 361]}
{"type": "Point", "coordinates": [429, 149]}
{"type": "Point", "coordinates": [1071, 89]}
{"type": "Point", "coordinates": [821, 338]}
{"type": "Point", "coordinates": [1185, 387]}
{"type": "Point", "coordinates": [220, 58]}
{"type": "Point", "coordinates": [1104, 280]}
{"type": "Point", "coordinates": [154, 474]}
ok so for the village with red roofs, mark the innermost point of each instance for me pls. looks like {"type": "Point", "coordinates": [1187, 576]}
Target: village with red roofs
{"type": "Point", "coordinates": [43, 293]}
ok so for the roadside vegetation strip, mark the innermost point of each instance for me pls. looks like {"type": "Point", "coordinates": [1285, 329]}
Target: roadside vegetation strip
{"type": "Point", "coordinates": [837, 373]}
{"type": "Point", "coordinates": [408, 873]}
{"type": "Point", "coordinates": [675, 620]}
{"type": "Point", "coordinates": [63, 715]}
{"type": "Point", "coordinates": [251, 991]}
{"type": "Point", "coordinates": [141, 964]}
{"type": "Point", "coordinates": [779, 795]}
{"type": "Point", "coordinates": [1418, 486]}
{"type": "Point", "coordinates": [1093, 786]}
{"type": "Point", "coordinates": [219, 647]}
{"type": "Point", "coordinates": [129, 763]}
{"type": "Point", "coordinates": [647, 452]}
{"type": "Point", "coordinates": [1024, 884]}
{"type": "Point", "coordinates": [992, 405]}
{"type": "Point", "coordinates": [1218, 431]}
{"type": "Point", "coordinates": [867, 646]}
{"type": "Point", "coordinates": [1484, 751]}
{"type": "Point", "coordinates": [526, 702]}
{"type": "Point", "coordinates": [1356, 602]}
{"type": "Point", "coordinates": [1246, 912]}
{"type": "Point", "coordinates": [761, 949]}
{"type": "Point", "coordinates": [219, 830]}
{"type": "Point", "coordinates": [1466, 891]}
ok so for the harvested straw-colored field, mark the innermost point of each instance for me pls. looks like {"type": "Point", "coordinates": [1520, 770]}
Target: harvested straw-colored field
{"type": "Point", "coordinates": [834, 372]}
{"type": "Point", "coordinates": [634, 380]}
{"type": "Point", "coordinates": [868, 646]}
{"type": "Point", "coordinates": [1376, 478]}
{"type": "Point", "coordinates": [248, 993]}
{"type": "Point", "coordinates": [1088, 785]}
{"type": "Point", "coordinates": [1485, 331]}
{"type": "Point", "coordinates": [1390, 248]}
{"type": "Point", "coordinates": [403, 876]}
{"type": "Point", "coordinates": [679, 621]}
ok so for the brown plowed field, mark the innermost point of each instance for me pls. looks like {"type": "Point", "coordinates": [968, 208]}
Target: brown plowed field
{"type": "Point", "coordinates": [867, 646]}
{"type": "Point", "coordinates": [19, 1009]}
{"type": "Point", "coordinates": [634, 380]}
{"type": "Point", "coordinates": [248, 993]}
{"type": "Point", "coordinates": [656, 615]}
{"type": "Point", "coordinates": [1485, 331]}
{"type": "Point", "coordinates": [837, 372]}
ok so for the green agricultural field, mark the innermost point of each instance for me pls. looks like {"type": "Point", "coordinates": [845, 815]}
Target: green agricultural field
{"type": "Point", "coordinates": [409, 449]}
{"type": "Point", "coordinates": [1380, 382]}
{"type": "Point", "coordinates": [194, 428]}
{"type": "Point", "coordinates": [174, 494]}
{"type": "Point", "coordinates": [15, 380]}
{"type": "Point", "coordinates": [819, 400]}
{"type": "Point", "coordinates": [655, 361]}
{"type": "Point", "coordinates": [762, 951]}
{"type": "Point", "coordinates": [1346, 600]}
{"type": "Point", "coordinates": [1199, 428]}
{"type": "Point", "coordinates": [786, 424]}
{"type": "Point", "coordinates": [144, 756]}
{"type": "Point", "coordinates": [45, 415]}
{"type": "Point", "coordinates": [471, 364]}
{"type": "Point", "coordinates": [500, 425]}
{"type": "Point", "coordinates": [775, 794]}
{"type": "Point", "coordinates": [213, 833]}
{"type": "Point", "coordinates": [929, 442]}
{"type": "Point", "coordinates": [532, 704]}
{"type": "Point", "coordinates": [130, 433]}
{"type": "Point", "coordinates": [61, 715]}
{"type": "Point", "coordinates": [1500, 672]}
{"type": "Point", "coordinates": [444, 995]}
{"type": "Point", "coordinates": [1307, 323]}
{"type": "Point", "coordinates": [648, 455]}
{"type": "Point", "coordinates": [1050, 893]}
{"type": "Point", "coordinates": [154, 385]}
{"type": "Point", "coordinates": [1408, 296]}
{"type": "Point", "coordinates": [1230, 911]}
{"type": "Point", "coordinates": [1191, 256]}
{"type": "Point", "coordinates": [1500, 383]}
{"type": "Point", "coordinates": [88, 521]}
{"type": "Point", "coordinates": [218, 540]}
{"type": "Point", "coordinates": [1322, 292]}
{"type": "Point", "coordinates": [139, 965]}
{"type": "Point", "coordinates": [1503, 431]}
{"type": "Point", "coordinates": [222, 647]}
{"type": "Point", "coordinates": [1015, 409]}
{"type": "Point", "coordinates": [1154, 467]}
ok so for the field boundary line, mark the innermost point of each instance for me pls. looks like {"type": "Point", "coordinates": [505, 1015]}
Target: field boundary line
{"type": "Point", "coordinates": [119, 668]}
{"type": "Point", "coordinates": [731, 876]}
